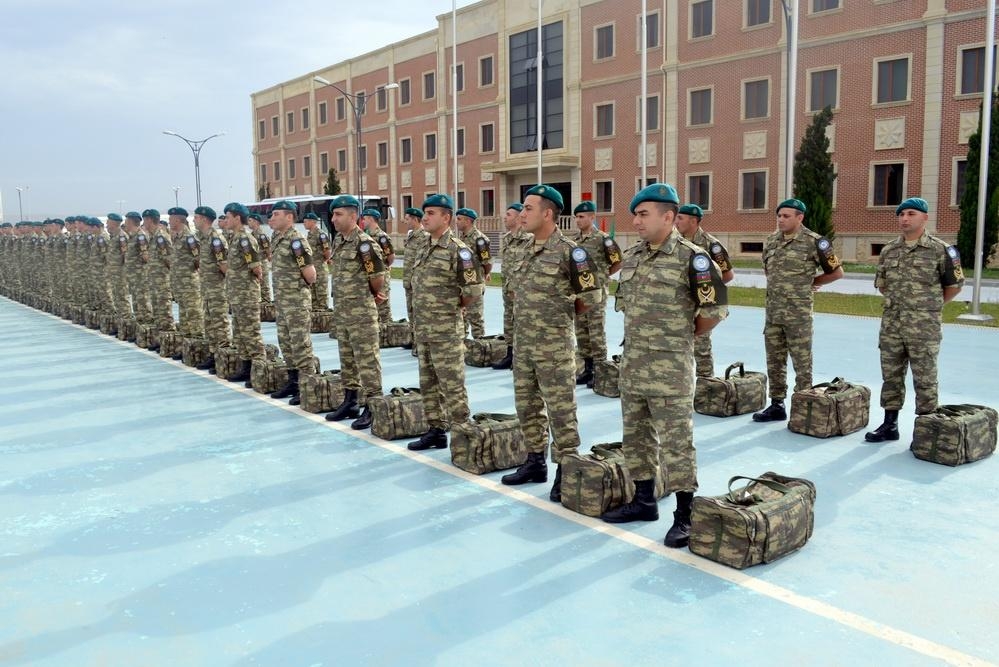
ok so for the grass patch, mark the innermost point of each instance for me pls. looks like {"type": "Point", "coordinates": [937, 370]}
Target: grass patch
{"type": "Point", "coordinates": [851, 267]}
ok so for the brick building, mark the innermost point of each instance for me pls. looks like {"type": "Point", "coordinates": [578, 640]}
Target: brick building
{"type": "Point", "coordinates": [904, 78]}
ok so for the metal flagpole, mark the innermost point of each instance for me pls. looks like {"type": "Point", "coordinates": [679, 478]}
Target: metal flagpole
{"type": "Point", "coordinates": [645, 95]}
{"type": "Point", "coordinates": [454, 94]}
{"type": "Point", "coordinates": [791, 22]}
{"type": "Point", "coordinates": [538, 103]}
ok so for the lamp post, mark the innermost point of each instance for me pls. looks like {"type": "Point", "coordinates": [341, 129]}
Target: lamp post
{"type": "Point", "coordinates": [790, 8]}
{"type": "Point", "coordinates": [20, 207]}
{"type": "Point", "coordinates": [176, 196]}
{"type": "Point", "coordinates": [195, 147]}
{"type": "Point", "coordinates": [121, 202]}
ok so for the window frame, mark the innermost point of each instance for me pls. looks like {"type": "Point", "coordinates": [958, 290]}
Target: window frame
{"type": "Point", "coordinates": [405, 91]}
{"type": "Point", "coordinates": [812, 11]}
{"type": "Point", "coordinates": [322, 110]}
{"type": "Point", "coordinates": [340, 108]}
{"type": "Point", "coordinates": [492, 71]}
{"type": "Point", "coordinates": [690, 20]}
{"type": "Point", "coordinates": [433, 85]}
{"type": "Point", "coordinates": [341, 160]}
{"type": "Point", "coordinates": [276, 170]}
{"type": "Point", "coordinates": [381, 148]}
{"type": "Point", "coordinates": [955, 201]}
{"type": "Point", "coordinates": [959, 75]}
{"type": "Point", "coordinates": [290, 122]}
{"type": "Point", "coordinates": [492, 138]}
{"type": "Point", "coordinates": [275, 126]}
{"type": "Point", "coordinates": [596, 195]}
{"type": "Point", "coordinates": [876, 79]}
{"type": "Point", "coordinates": [304, 119]}
{"type": "Point", "coordinates": [653, 16]}
{"type": "Point", "coordinates": [263, 173]}
{"type": "Point", "coordinates": [362, 157]}
{"type": "Point", "coordinates": [742, 110]}
{"type": "Point", "coordinates": [638, 112]}
{"type": "Point", "coordinates": [611, 25]}
{"type": "Point", "coordinates": [306, 166]}
{"type": "Point", "coordinates": [485, 211]}
{"type": "Point", "coordinates": [261, 129]}
{"type": "Point", "coordinates": [458, 72]}
{"type": "Point", "coordinates": [808, 87]}
{"type": "Point", "coordinates": [756, 26]}
{"type": "Point", "coordinates": [690, 106]}
{"type": "Point", "coordinates": [596, 119]}
{"type": "Point", "coordinates": [381, 99]}
{"type": "Point", "coordinates": [402, 150]}
{"type": "Point", "coordinates": [426, 137]}
{"type": "Point", "coordinates": [459, 142]}
{"type": "Point", "coordinates": [742, 192]}
{"type": "Point", "coordinates": [711, 187]}
{"type": "Point", "coordinates": [324, 162]}
{"type": "Point", "coordinates": [871, 182]}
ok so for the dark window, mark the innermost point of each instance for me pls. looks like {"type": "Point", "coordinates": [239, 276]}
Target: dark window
{"type": "Point", "coordinates": [605, 41]}
{"type": "Point", "coordinates": [751, 246]}
{"type": "Point", "coordinates": [651, 30]}
{"type": "Point", "coordinates": [699, 190]}
{"type": "Point", "coordinates": [429, 86]}
{"type": "Point", "coordinates": [362, 97]}
{"type": "Point", "coordinates": [263, 173]}
{"type": "Point", "coordinates": [323, 118]}
{"type": "Point", "coordinates": [275, 126]}
{"type": "Point", "coordinates": [461, 199]}
{"type": "Point", "coordinates": [341, 160]}
{"type": "Point", "coordinates": [430, 147]}
{"type": "Point", "coordinates": [291, 121]}
{"type": "Point", "coordinates": [305, 118]}
{"type": "Point", "coordinates": [460, 141]}
{"type": "Point", "coordinates": [459, 76]}
{"type": "Point", "coordinates": [488, 202]}
{"type": "Point", "coordinates": [702, 18]}
{"type": "Point", "coordinates": [261, 129]}
{"type": "Point", "coordinates": [823, 90]}
{"type": "Point", "coordinates": [962, 170]}
{"type": "Point", "coordinates": [380, 98]}
{"type": "Point", "coordinates": [523, 89]}
{"type": "Point", "coordinates": [404, 92]}
{"type": "Point", "coordinates": [486, 140]}
{"type": "Point", "coordinates": [486, 71]}
{"type": "Point", "coordinates": [893, 80]}
{"type": "Point", "coordinates": [888, 182]}
{"type": "Point", "coordinates": [604, 196]}
{"type": "Point", "coordinates": [757, 99]}
{"type": "Point", "coordinates": [605, 120]}
{"type": "Point", "coordinates": [757, 12]}
{"type": "Point", "coordinates": [407, 201]}
{"type": "Point", "coordinates": [341, 108]}
{"type": "Point", "coordinates": [277, 171]}
{"type": "Point", "coordinates": [362, 158]}
{"type": "Point", "coordinates": [876, 249]}
{"type": "Point", "coordinates": [306, 166]}
{"type": "Point", "coordinates": [700, 107]}
{"type": "Point", "coordinates": [291, 168]}
{"type": "Point", "coordinates": [973, 70]}
{"type": "Point", "coordinates": [754, 190]}
{"type": "Point", "coordinates": [651, 113]}
{"type": "Point", "coordinates": [406, 146]}
{"type": "Point", "coordinates": [824, 5]}
{"type": "Point", "coordinates": [324, 163]}
{"type": "Point", "coordinates": [382, 153]}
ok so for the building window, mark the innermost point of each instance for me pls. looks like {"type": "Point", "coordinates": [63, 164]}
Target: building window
{"type": "Point", "coordinates": [702, 18]}
{"type": "Point", "coordinates": [382, 153]}
{"type": "Point", "coordinates": [604, 200]}
{"type": "Point", "coordinates": [305, 118]}
{"type": "Point", "coordinates": [291, 168]}
{"type": "Point", "coordinates": [307, 166]}
{"type": "Point", "coordinates": [429, 86]}
{"type": "Point", "coordinates": [651, 30]}
{"type": "Point", "coordinates": [699, 190]}
{"type": "Point", "coordinates": [341, 108]}
{"type": "Point", "coordinates": [324, 163]}
{"type": "Point", "coordinates": [747, 247]}
{"type": "Point", "coordinates": [261, 129]}
{"type": "Point", "coordinates": [523, 89]}
{"type": "Point", "coordinates": [460, 199]}
{"type": "Point", "coordinates": [603, 42]}
{"type": "Point", "coordinates": [972, 76]}
{"type": "Point", "coordinates": [754, 190]}
{"type": "Point", "coordinates": [700, 107]}
{"type": "Point", "coordinates": [277, 171]}
{"type": "Point", "coordinates": [488, 202]}
{"type": "Point", "coordinates": [341, 160]}
{"type": "Point", "coordinates": [486, 138]}
{"type": "Point", "coordinates": [459, 141]}
{"type": "Point", "coordinates": [263, 173]}
{"type": "Point", "coordinates": [430, 147]}
{"type": "Point", "coordinates": [459, 76]}
{"type": "Point", "coordinates": [381, 96]}
{"type": "Point", "coordinates": [824, 5]}
{"type": "Point", "coordinates": [290, 121]}
{"type": "Point", "coordinates": [485, 71]}
{"type": "Point", "coordinates": [824, 93]}
{"type": "Point", "coordinates": [960, 172]}
{"type": "Point", "coordinates": [407, 201]}
{"type": "Point", "coordinates": [362, 157]}
{"type": "Point", "coordinates": [892, 80]}
{"type": "Point", "coordinates": [639, 184]}
{"type": "Point", "coordinates": [757, 12]}
{"type": "Point", "coordinates": [603, 120]}
{"type": "Point", "coordinates": [275, 126]}
{"type": "Point", "coordinates": [651, 113]}
{"type": "Point", "coordinates": [323, 117]}
{"type": "Point", "coordinates": [756, 99]}
{"type": "Point", "coordinates": [888, 185]}
{"type": "Point", "coordinates": [404, 92]}
{"type": "Point", "coordinates": [406, 149]}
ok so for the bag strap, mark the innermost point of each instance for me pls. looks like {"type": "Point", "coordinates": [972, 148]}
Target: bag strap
{"type": "Point", "coordinates": [404, 391]}
{"type": "Point", "coordinates": [607, 450]}
{"type": "Point", "coordinates": [776, 486]}
{"type": "Point", "coordinates": [485, 417]}
{"type": "Point", "coordinates": [732, 367]}
{"type": "Point", "coordinates": [958, 409]}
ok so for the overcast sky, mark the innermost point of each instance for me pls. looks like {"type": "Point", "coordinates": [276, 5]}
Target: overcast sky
{"type": "Point", "coordinates": [87, 87]}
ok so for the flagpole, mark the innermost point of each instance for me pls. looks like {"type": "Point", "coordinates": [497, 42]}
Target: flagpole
{"type": "Point", "coordinates": [454, 95]}
{"type": "Point", "coordinates": [643, 151]}
{"type": "Point", "coordinates": [538, 103]}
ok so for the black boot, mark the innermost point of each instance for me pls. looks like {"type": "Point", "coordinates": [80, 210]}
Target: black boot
{"type": "Point", "coordinates": [347, 409]}
{"type": "Point", "coordinates": [586, 376]}
{"type": "Point", "coordinates": [887, 431]}
{"type": "Point", "coordinates": [534, 469]}
{"type": "Point", "coordinates": [362, 422]}
{"type": "Point", "coordinates": [290, 388]}
{"type": "Point", "coordinates": [208, 364]}
{"type": "Point", "coordinates": [678, 534]}
{"type": "Point", "coordinates": [435, 438]}
{"type": "Point", "coordinates": [643, 507]}
{"type": "Point", "coordinates": [555, 495]}
{"type": "Point", "coordinates": [244, 372]}
{"type": "Point", "coordinates": [774, 412]}
{"type": "Point", "coordinates": [506, 362]}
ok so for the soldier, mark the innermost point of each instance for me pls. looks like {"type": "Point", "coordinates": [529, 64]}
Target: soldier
{"type": "Point", "coordinates": [184, 275]}
{"type": "Point", "coordinates": [446, 279]}
{"type": "Point", "coordinates": [321, 246]}
{"type": "Point", "coordinates": [294, 276]}
{"type": "Point", "coordinates": [370, 218]}
{"type": "Point", "coordinates": [918, 274]}
{"type": "Point", "coordinates": [791, 257]}
{"type": "Point", "coordinates": [688, 223]}
{"type": "Point", "coordinates": [255, 220]}
{"type": "Point", "coordinates": [116, 275]}
{"type": "Point", "coordinates": [510, 243]}
{"type": "Point", "coordinates": [473, 237]}
{"type": "Point", "coordinates": [102, 258]}
{"type": "Point", "coordinates": [212, 266]}
{"type": "Point", "coordinates": [416, 236]}
{"type": "Point", "coordinates": [591, 334]}
{"type": "Point", "coordinates": [554, 279]}
{"type": "Point", "coordinates": [358, 273]}
{"type": "Point", "coordinates": [243, 275]}
{"type": "Point", "coordinates": [670, 291]}
{"type": "Point", "coordinates": [158, 266]}
{"type": "Point", "coordinates": [135, 267]}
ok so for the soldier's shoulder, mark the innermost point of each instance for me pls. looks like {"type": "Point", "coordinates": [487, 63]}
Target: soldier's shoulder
{"type": "Point", "coordinates": [938, 243]}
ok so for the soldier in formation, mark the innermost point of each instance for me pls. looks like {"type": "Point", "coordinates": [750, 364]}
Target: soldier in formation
{"type": "Point", "coordinates": [370, 219]}
{"type": "Point", "coordinates": [510, 243]}
{"type": "Point", "coordinates": [185, 275]}
{"type": "Point", "coordinates": [473, 237]}
{"type": "Point", "coordinates": [320, 242]}
{"type": "Point", "coordinates": [416, 236]}
{"type": "Point", "coordinates": [243, 276]}
{"type": "Point", "coordinates": [256, 221]}
{"type": "Point", "coordinates": [213, 264]}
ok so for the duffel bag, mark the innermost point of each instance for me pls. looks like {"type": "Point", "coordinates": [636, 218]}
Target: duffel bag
{"type": "Point", "coordinates": [488, 442]}
{"type": "Point", "coordinates": [398, 414]}
{"type": "Point", "coordinates": [321, 392]}
{"type": "Point", "coordinates": [267, 312]}
{"type": "Point", "coordinates": [146, 336]}
{"type": "Point", "coordinates": [395, 334]}
{"type": "Point", "coordinates": [768, 518]}
{"type": "Point", "coordinates": [227, 362]}
{"type": "Point", "coordinates": [171, 345]}
{"type": "Point", "coordinates": [322, 321]}
{"type": "Point", "coordinates": [194, 351]}
{"type": "Point", "coordinates": [732, 395]}
{"type": "Point", "coordinates": [268, 376]}
{"type": "Point", "coordinates": [831, 408]}
{"type": "Point", "coordinates": [596, 482]}
{"type": "Point", "coordinates": [127, 329]}
{"type": "Point", "coordinates": [485, 351]}
{"type": "Point", "coordinates": [955, 434]}
{"type": "Point", "coordinates": [605, 376]}
{"type": "Point", "coordinates": [109, 325]}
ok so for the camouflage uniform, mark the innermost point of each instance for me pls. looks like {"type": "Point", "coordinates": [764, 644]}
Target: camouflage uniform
{"type": "Point", "coordinates": [912, 277]}
{"type": "Point", "coordinates": [243, 290]}
{"type": "Point", "coordinates": [511, 243]}
{"type": "Point", "coordinates": [703, 358]}
{"type": "Point", "coordinates": [161, 258]}
{"type": "Point", "coordinates": [102, 257]}
{"type": "Point", "coordinates": [187, 283]}
{"type": "Point", "coordinates": [413, 244]}
{"type": "Point", "coordinates": [136, 262]}
{"type": "Point", "coordinates": [320, 242]}
{"type": "Point", "coordinates": [293, 299]}
{"type": "Point", "coordinates": [591, 332]}
{"type": "Point", "coordinates": [117, 275]}
{"type": "Point", "coordinates": [444, 271]}
{"type": "Point", "coordinates": [214, 255]}
{"type": "Point", "coordinates": [385, 308]}
{"type": "Point", "coordinates": [479, 244]}
{"type": "Point", "coordinates": [790, 265]}
{"type": "Point", "coordinates": [661, 293]}
{"type": "Point", "coordinates": [264, 241]}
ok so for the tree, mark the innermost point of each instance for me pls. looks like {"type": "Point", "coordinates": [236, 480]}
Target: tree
{"type": "Point", "coordinates": [969, 200]}
{"type": "Point", "coordinates": [814, 175]}
{"type": "Point", "coordinates": [264, 192]}
{"type": "Point", "coordinates": [332, 185]}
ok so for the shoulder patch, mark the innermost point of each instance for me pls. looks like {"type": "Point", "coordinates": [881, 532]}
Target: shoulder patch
{"type": "Point", "coordinates": [700, 262]}
{"type": "Point", "coordinates": [364, 247]}
{"type": "Point", "coordinates": [216, 243]}
{"type": "Point", "coordinates": [141, 238]}
{"type": "Point", "coordinates": [823, 244]}
{"type": "Point", "coordinates": [296, 245]}
{"type": "Point", "coordinates": [608, 241]}
{"type": "Point", "coordinates": [465, 254]}
{"type": "Point", "coordinates": [191, 241]}
{"type": "Point", "coordinates": [481, 241]}
{"type": "Point", "coordinates": [579, 254]}
{"type": "Point", "coordinates": [244, 242]}
{"type": "Point", "coordinates": [952, 252]}
{"type": "Point", "coordinates": [716, 248]}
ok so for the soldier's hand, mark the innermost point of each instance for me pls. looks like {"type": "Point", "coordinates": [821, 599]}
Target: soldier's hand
{"type": "Point", "coordinates": [580, 306]}
{"type": "Point", "coordinates": [380, 298]}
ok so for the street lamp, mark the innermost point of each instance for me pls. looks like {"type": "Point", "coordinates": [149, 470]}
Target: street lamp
{"type": "Point", "coordinates": [176, 196]}
{"type": "Point", "coordinates": [357, 103]}
{"type": "Point", "coordinates": [195, 147]}
{"type": "Point", "coordinates": [20, 207]}
{"type": "Point", "coordinates": [121, 203]}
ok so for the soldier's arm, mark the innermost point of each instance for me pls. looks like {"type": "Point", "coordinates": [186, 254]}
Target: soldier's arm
{"type": "Point", "coordinates": [704, 324]}
{"type": "Point", "coordinates": [375, 284]}
{"type": "Point", "coordinates": [826, 278]}
{"type": "Point", "coordinates": [257, 272]}
{"type": "Point", "coordinates": [309, 274]}
{"type": "Point", "coordinates": [728, 275]}
{"type": "Point", "coordinates": [614, 268]}
{"type": "Point", "coordinates": [950, 292]}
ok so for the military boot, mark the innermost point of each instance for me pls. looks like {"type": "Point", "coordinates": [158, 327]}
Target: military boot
{"type": "Point", "coordinates": [586, 377]}
{"type": "Point", "coordinates": [643, 507]}
{"type": "Point", "coordinates": [887, 431]}
{"type": "Point", "coordinates": [347, 409]}
{"type": "Point", "coordinates": [678, 534]}
{"type": "Point", "coordinates": [555, 495]}
{"type": "Point", "coordinates": [290, 388]}
{"type": "Point", "coordinates": [774, 412]}
{"type": "Point", "coordinates": [506, 362]}
{"type": "Point", "coordinates": [243, 374]}
{"type": "Point", "coordinates": [363, 421]}
{"type": "Point", "coordinates": [435, 438]}
{"type": "Point", "coordinates": [534, 469]}
{"type": "Point", "coordinates": [208, 364]}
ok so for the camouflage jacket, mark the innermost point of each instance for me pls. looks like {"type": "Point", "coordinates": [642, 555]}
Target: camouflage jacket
{"type": "Point", "coordinates": [186, 256]}
{"type": "Point", "coordinates": [290, 253]}
{"type": "Point", "coordinates": [321, 244]}
{"type": "Point", "coordinates": [603, 250]}
{"type": "Point", "coordinates": [912, 278]}
{"type": "Point", "coordinates": [161, 254]}
{"type": "Point", "coordinates": [714, 247]}
{"type": "Point", "coordinates": [413, 244]}
{"type": "Point", "coordinates": [355, 260]}
{"type": "Point", "coordinates": [244, 256]}
{"type": "Point", "coordinates": [138, 253]}
{"type": "Point", "coordinates": [121, 247]}
{"type": "Point", "coordinates": [443, 271]}
{"type": "Point", "coordinates": [479, 244]}
{"type": "Point", "coordinates": [213, 251]}
{"type": "Point", "coordinates": [790, 265]}
{"type": "Point", "coordinates": [512, 243]}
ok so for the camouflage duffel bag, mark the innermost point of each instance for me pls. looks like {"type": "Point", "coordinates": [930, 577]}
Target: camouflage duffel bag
{"type": "Point", "coordinates": [485, 351]}
{"type": "Point", "coordinates": [171, 345]}
{"type": "Point", "coordinates": [226, 362]}
{"type": "Point", "coordinates": [758, 523]}
{"type": "Point", "coordinates": [109, 325]}
{"type": "Point", "coordinates": [605, 376]}
{"type": "Point", "coordinates": [322, 321]}
{"type": "Point", "coordinates": [194, 351]}
{"type": "Point", "coordinates": [829, 409]}
{"type": "Point", "coordinates": [488, 442]}
{"type": "Point", "coordinates": [267, 312]}
{"type": "Point", "coordinates": [127, 328]}
{"type": "Point", "coordinates": [146, 336]}
{"type": "Point", "coordinates": [398, 414]}
{"type": "Point", "coordinates": [731, 395]}
{"type": "Point", "coordinates": [395, 334]}
{"type": "Point", "coordinates": [596, 482]}
{"type": "Point", "coordinates": [321, 392]}
{"type": "Point", "coordinates": [268, 376]}
{"type": "Point", "coordinates": [272, 352]}
{"type": "Point", "coordinates": [955, 434]}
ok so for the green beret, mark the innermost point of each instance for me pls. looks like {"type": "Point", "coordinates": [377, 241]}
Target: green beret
{"type": "Point", "coordinates": [311, 216]}
{"type": "Point", "coordinates": [692, 209]}
{"type": "Point", "coordinates": [112, 216]}
{"type": "Point", "coordinates": [414, 212]}
{"type": "Point", "coordinates": [178, 210]}
{"type": "Point", "coordinates": [256, 216]}
{"type": "Point", "coordinates": [283, 205]}
{"type": "Point", "coordinates": [663, 193]}
{"type": "Point", "coordinates": [915, 203]}
{"type": "Point", "coordinates": [796, 204]}
{"type": "Point", "coordinates": [585, 207]}
{"type": "Point", "coordinates": [94, 222]}
{"type": "Point", "coordinates": [439, 201]}
{"type": "Point", "coordinates": [239, 209]}
{"type": "Point", "coordinates": [345, 201]}
{"type": "Point", "coordinates": [131, 214]}
{"type": "Point", "coordinates": [150, 213]}
{"type": "Point", "coordinates": [57, 221]}
{"type": "Point", "coordinates": [70, 218]}
{"type": "Point", "coordinates": [206, 211]}
{"type": "Point", "coordinates": [549, 193]}
{"type": "Point", "coordinates": [372, 212]}
{"type": "Point", "coordinates": [516, 206]}
{"type": "Point", "coordinates": [468, 213]}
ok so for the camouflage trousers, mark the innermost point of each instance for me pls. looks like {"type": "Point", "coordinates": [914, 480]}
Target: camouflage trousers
{"type": "Point", "coordinates": [216, 317]}
{"type": "Point", "coordinates": [544, 390]}
{"type": "Point", "coordinates": [119, 293]}
{"type": "Point", "coordinates": [162, 301]}
{"type": "Point", "coordinates": [294, 322]}
{"type": "Point", "coordinates": [191, 309]}
{"type": "Point", "coordinates": [320, 290]}
{"type": "Point", "coordinates": [246, 336]}
{"type": "Point", "coordinates": [704, 360]}
{"type": "Point", "coordinates": [508, 314]}
{"type": "Point", "coordinates": [105, 299]}
{"type": "Point", "coordinates": [409, 307]}
{"type": "Point", "coordinates": [474, 318]}
{"type": "Point", "coordinates": [660, 428]}
{"type": "Point", "coordinates": [385, 309]}
{"type": "Point", "coordinates": [591, 332]}
{"type": "Point", "coordinates": [901, 351]}
{"type": "Point", "coordinates": [141, 302]}
{"type": "Point", "coordinates": [780, 341]}
{"type": "Point", "coordinates": [360, 357]}
{"type": "Point", "coordinates": [442, 383]}
{"type": "Point", "coordinates": [265, 282]}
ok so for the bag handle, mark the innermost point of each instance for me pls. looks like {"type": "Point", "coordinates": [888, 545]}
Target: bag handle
{"type": "Point", "coordinates": [732, 367]}
{"type": "Point", "coordinates": [776, 486]}
{"type": "Point", "coordinates": [958, 409]}
{"type": "Point", "coordinates": [404, 391]}
{"type": "Point", "coordinates": [606, 450]}
{"type": "Point", "coordinates": [484, 417]}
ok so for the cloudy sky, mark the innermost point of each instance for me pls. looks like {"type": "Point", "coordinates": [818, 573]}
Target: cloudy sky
{"type": "Point", "coordinates": [88, 86]}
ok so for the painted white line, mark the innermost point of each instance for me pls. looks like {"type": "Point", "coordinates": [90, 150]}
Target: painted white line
{"type": "Point", "coordinates": [845, 618]}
